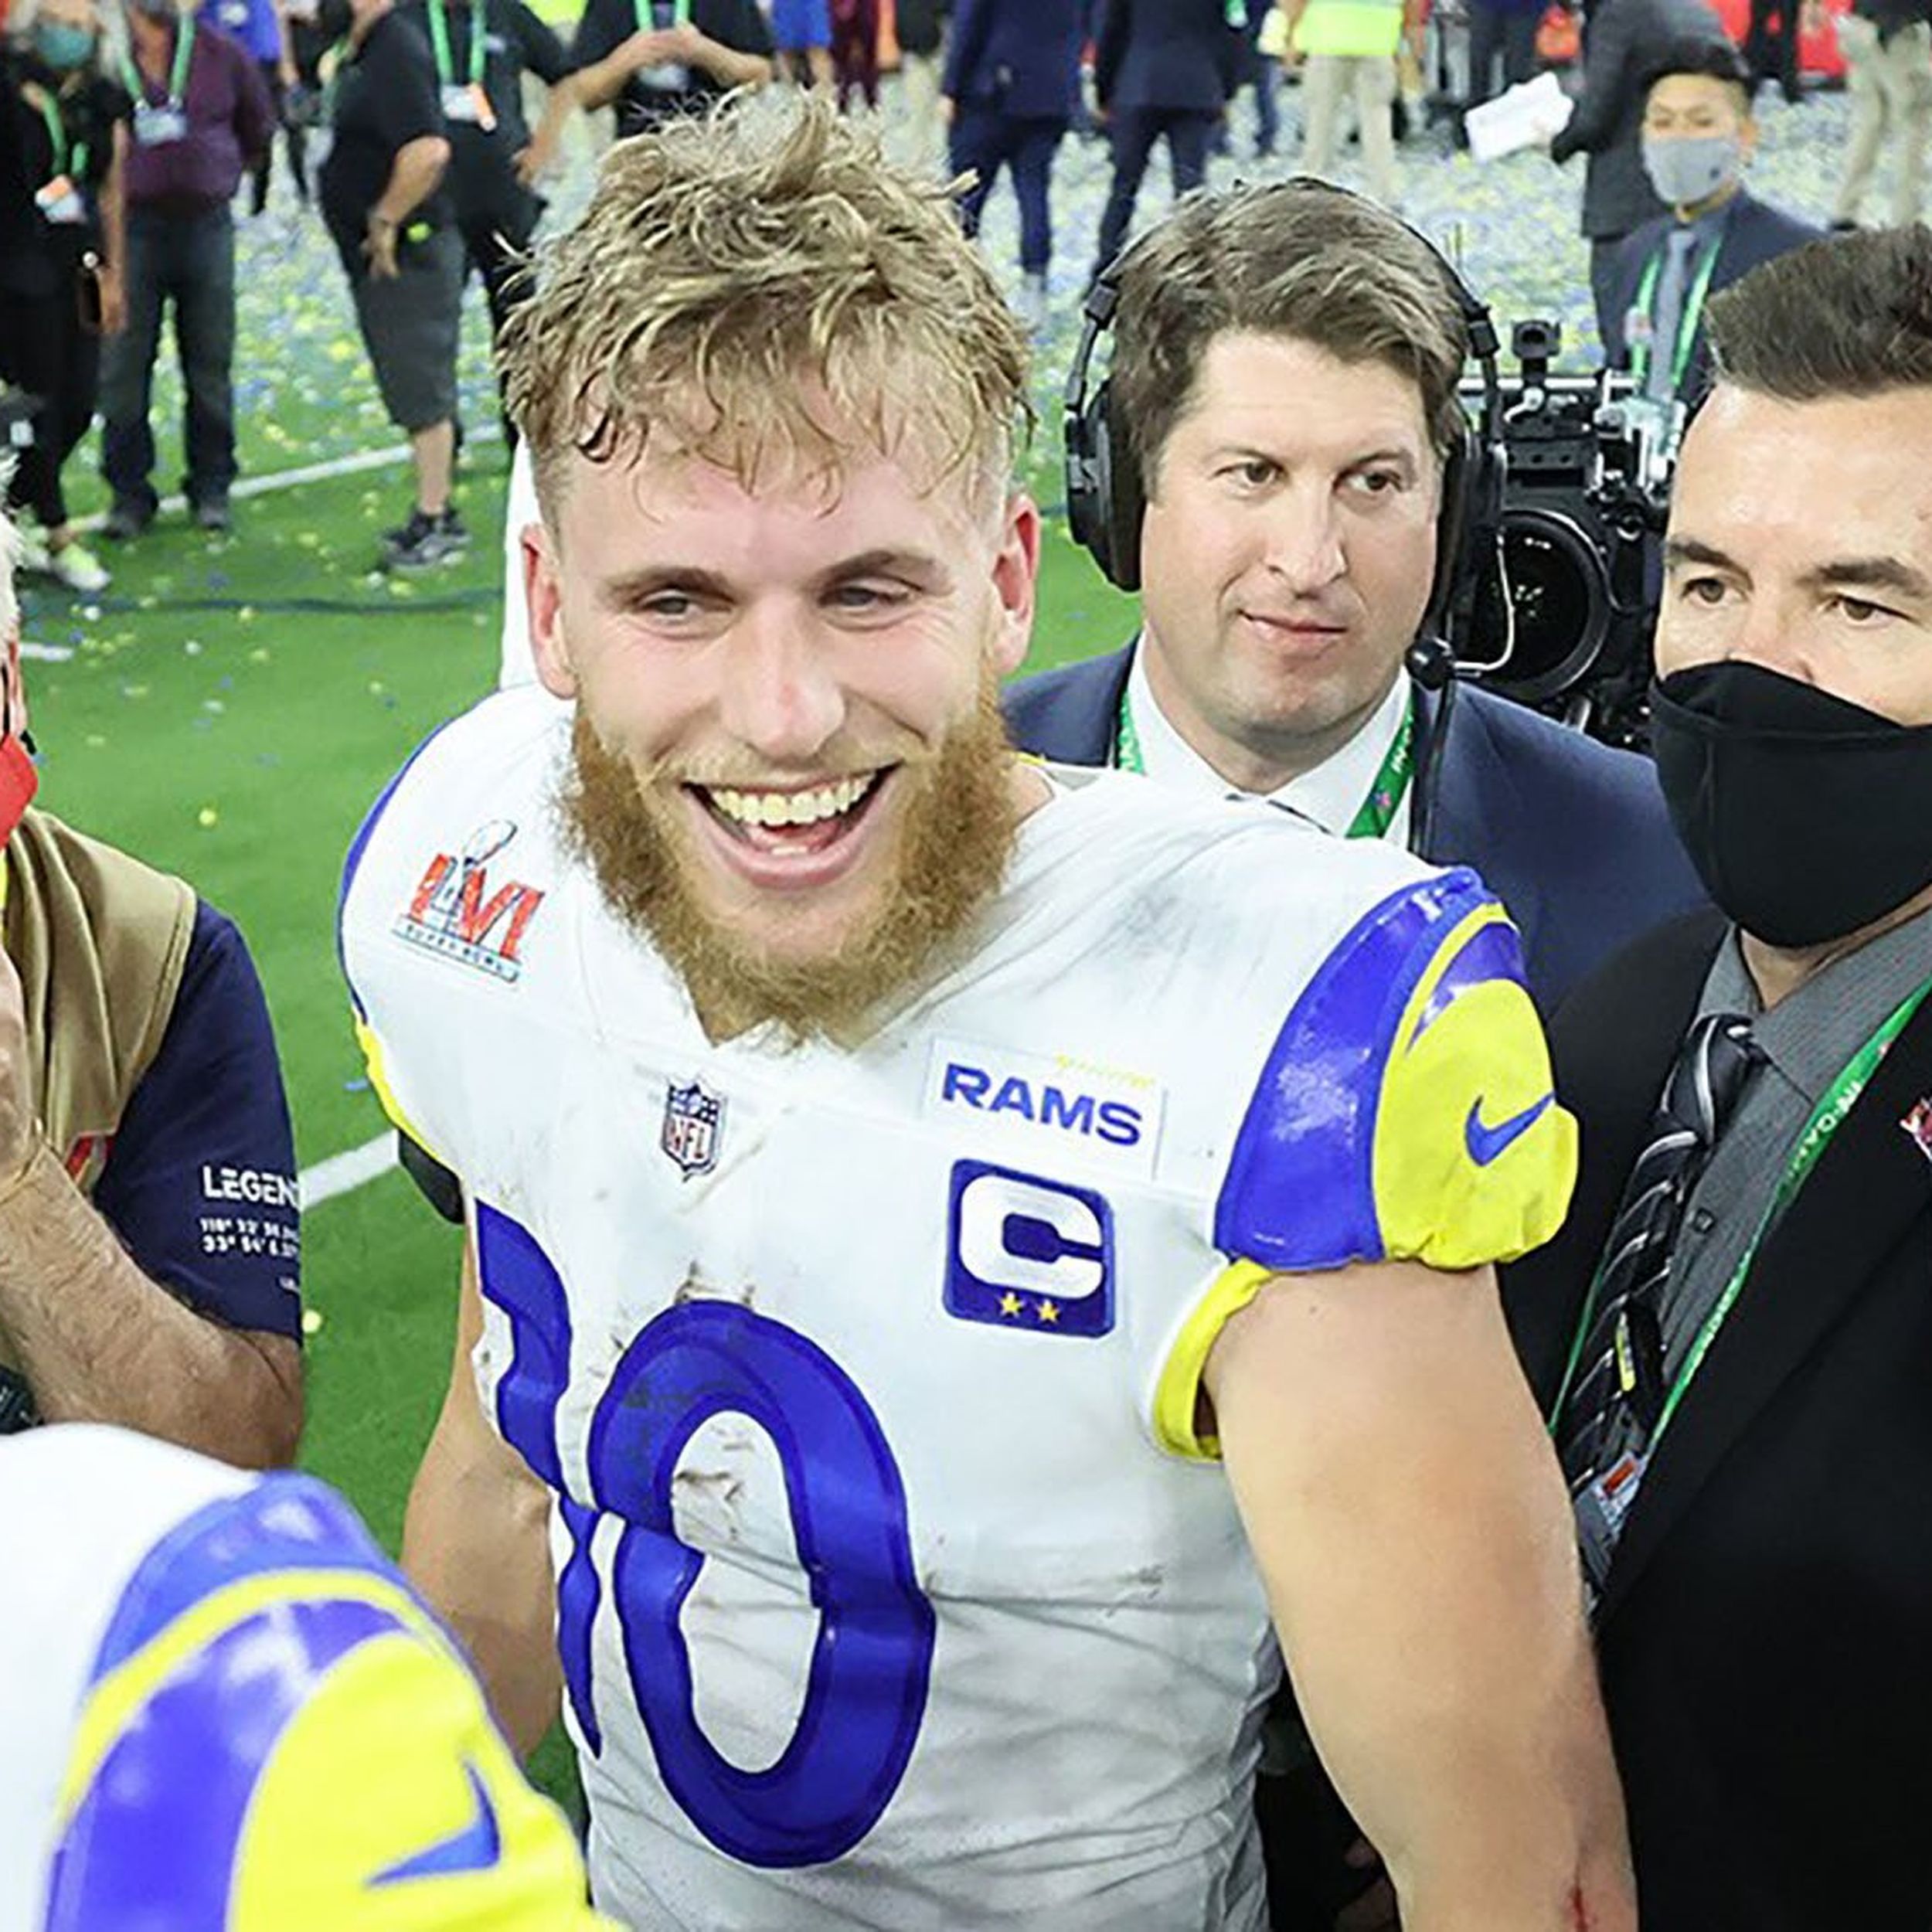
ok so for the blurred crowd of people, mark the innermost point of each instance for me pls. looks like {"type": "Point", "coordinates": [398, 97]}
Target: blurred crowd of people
{"type": "Point", "coordinates": [130, 138]}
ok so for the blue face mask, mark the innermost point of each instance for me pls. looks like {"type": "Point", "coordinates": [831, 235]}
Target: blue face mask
{"type": "Point", "coordinates": [62, 46]}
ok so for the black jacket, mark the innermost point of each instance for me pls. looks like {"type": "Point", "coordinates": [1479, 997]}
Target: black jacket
{"type": "Point", "coordinates": [1178, 55]}
{"type": "Point", "coordinates": [1765, 1637]}
{"type": "Point", "coordinates": [1754, 234]}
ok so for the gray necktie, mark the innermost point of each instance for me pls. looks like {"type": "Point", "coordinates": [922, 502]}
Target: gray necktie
{"type": "Point", "coordinates": [1673, 284]}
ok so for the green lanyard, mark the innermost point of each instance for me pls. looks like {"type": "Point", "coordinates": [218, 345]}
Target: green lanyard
{"type": "Point", "coordinates": [1687, 322]}
{"type": "Point", "coordinates": [1839, 1099]}
{"type": "Point", "coordinates": [647, 13]}
{"type": "Point", "coordinates": [57, 139]}
{"type": "Point", "coordinates": [178, 78]}
{"type": "Point", "coordinates": [1378, 809]}
{"type": "Point", "coordinates": [1391, 785]}
{"type": "Point", "coordinates": [439, 39]}
{"type": "Point", "coordinates": [1128, 756]}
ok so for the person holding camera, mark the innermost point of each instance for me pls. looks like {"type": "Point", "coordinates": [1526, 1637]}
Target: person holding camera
{"type": "Point", "coordinates": [63, 138]}
{"type": "Point", "coordinates": [1279, 462]}
{"type": "Point", "coordinates": [383, 199]}
{"type": "Point", "coordinates": [1699, 135]}
{"type": "Point", "coordinates": [1287, 475]}
{"type": "Point", "coordinates": [1730, 1335]}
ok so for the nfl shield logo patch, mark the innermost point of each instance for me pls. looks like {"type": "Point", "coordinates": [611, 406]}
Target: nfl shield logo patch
{"type": "Point", "coordinates": [693, 1125]}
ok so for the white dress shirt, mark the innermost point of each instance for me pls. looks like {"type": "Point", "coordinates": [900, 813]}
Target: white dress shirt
{"type": "Point", "coordinates": [1330, 795]}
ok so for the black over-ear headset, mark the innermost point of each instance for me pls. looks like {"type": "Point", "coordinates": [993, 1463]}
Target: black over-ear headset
{"type": "Point", "coordinates": [1106, 499]}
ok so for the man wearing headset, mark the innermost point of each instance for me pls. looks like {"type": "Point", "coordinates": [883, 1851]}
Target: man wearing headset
{"type": "Point", "coordinates": [1279, 464]}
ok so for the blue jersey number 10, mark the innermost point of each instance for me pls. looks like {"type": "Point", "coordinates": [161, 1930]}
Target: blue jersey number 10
{"type": "Point", "coordinates": [865, 1690]}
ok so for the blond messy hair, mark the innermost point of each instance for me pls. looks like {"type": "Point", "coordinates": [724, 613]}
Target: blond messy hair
{"type": "Point", "coordinates": [762, 286]}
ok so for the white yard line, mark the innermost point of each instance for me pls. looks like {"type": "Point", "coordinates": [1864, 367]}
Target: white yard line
{"type": "Point", "coordinates": [352, 465]}
{"type": "Point", "coordinates": [343, 1173]}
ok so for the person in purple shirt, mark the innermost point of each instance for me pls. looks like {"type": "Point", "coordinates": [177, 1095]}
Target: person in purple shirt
{"type": "Point", "coordinates": [202, 115]}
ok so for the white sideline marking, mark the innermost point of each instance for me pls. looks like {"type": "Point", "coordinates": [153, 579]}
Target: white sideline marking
{"type": "Point", "coordinates": [351, 465]}
{"type": "Point", "coordinates": [344, 1172]}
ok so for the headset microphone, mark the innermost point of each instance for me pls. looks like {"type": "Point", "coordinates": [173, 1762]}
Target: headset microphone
{"type": "Point", "coordinates": [1431, 662]}
{"type": "Point", "coordinates": [1105, 504]}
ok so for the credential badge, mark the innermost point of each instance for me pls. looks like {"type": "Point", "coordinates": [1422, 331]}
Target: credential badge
{"type": "Point", "coordinates": [693, 1126]}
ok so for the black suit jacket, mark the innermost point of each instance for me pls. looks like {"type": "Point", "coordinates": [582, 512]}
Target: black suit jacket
{"type": "Point", "coordinates": [1174, 54]}
{"type": "Point", "coordinates": [1754, 234]}
{"type": "Point", "coordinates": [1572, 837]}
{"type": "Point", "coordinates": [1019, 57]}
{"type": "Point", "coordinates": [1766, 1632]}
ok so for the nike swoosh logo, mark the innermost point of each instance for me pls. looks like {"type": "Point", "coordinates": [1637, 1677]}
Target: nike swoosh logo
{"type": "Point", "coordinates": [1486, 1143]}
{"type": "Point", "coordinates": [477, 1847]}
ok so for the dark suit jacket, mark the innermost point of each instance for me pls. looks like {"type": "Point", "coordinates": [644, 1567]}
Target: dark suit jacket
{"type": "Point", "coordinates": [1020, 57]}
{"type": "Point", "coordinates": [1623, 37]}
{"type": "Point", "coordinates": [1754, 234]}
{"type": "Point", "coordinates": [1572, 837]}
{"type": "Point", "coordinates": [1765, 1632]}
{"type": "Point", "coordinates": [1171, 54]}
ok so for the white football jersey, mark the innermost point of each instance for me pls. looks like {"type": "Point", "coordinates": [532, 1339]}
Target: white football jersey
{"type": "Point", "coordinates": [894, 1589]}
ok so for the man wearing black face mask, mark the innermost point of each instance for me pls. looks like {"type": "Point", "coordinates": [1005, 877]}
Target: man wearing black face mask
{"type": "Point", "coordinates": [1732, 1336]}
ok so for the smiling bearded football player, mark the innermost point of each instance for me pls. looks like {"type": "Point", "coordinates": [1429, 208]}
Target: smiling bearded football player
{"type": "Point", "coordinates": [957, 1259]}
